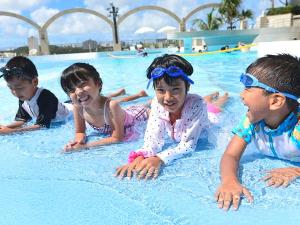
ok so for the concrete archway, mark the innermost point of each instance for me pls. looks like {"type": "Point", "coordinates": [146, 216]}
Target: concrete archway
{"type": "Point", "coordinates": [142, 8]}
{"type": "Point", "coordinates": [44, 48]}
{"type": "Point", "coordinates": [10, 14]}
{"type": "Point", "coordinates": [194, 11]}
{"type": "Point", "coordinates": [75, 10]}
{"type": "Point", "coordinates": [69, 11]}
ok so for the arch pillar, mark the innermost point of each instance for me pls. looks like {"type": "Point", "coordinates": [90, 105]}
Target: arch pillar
{"type": "Point", "coordinates": [116, 46]}
{"type": "Point", "coordinates": [182, 25]}
{"type": "Point", "coordinates": [44, 42]}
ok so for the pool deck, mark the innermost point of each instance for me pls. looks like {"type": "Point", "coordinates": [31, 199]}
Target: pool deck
{"type": "Point", "coordinates": [275, 47]}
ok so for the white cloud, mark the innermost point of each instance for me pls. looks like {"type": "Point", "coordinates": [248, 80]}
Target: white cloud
{"type": "Point", "coordinates": [102, 5]}
{"type": "Point", "coordinates": [179, 7]}
{"type": "Point", "coordinates": [19, 5]}
{"type": "Point", "coordinates": [12, 26]}
{"type": "Point", "coordinates": [21, 30]}
{"type": "Point", "coordinates": [42, 14]}
{"type": "Point", "coordinates": [18, 31]}
{"type": "Point", "coordinates": [79, 23]}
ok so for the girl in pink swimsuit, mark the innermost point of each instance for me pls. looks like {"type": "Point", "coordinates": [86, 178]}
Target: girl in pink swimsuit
{"type": "Point", "coordinates": [214, 103]}
{"type": "Point", "coordinates": [83, 84]}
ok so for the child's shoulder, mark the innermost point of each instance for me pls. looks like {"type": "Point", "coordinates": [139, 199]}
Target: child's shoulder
{"type": "Point", "coordinates": [111, 103]}
{"type": "Point", "coordinates": [296, 132]}
{"type": "Point", "coordinates": [194, 99]}
{"type": "Point", "coordinates": [298, 115]}
{"type": "Point", "coordinates": [194, 103]}
{"type": "Point", "coordinates": [45, 93]}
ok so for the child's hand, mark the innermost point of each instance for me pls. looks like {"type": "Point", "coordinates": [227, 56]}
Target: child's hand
{"type": "Point", "coordinates": [281, 176]}
{"type": "Point", "coordinates": [5, 130]}
{"type": "Point", "coordinates": [128, 169]}
{"type": "Point", "coordinates": [148, 168]}
{"type": "Point", "coordinates": [74, 145]}
{"type": "Point", "coordinates": [230, 193]}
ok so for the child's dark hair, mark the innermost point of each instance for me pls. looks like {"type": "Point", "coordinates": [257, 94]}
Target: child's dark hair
{"type": "Point", "coordinates": [166, 61]}
{"type": "Point", "coordinates": [78, 73]}
{"type": "Point", "coordinates": [281, 72]}
{"type": "Point", "coordinates": [20, 67]}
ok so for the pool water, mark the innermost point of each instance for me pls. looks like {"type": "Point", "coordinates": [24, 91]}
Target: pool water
{"type": "Point", "coordinates": [41, 185]}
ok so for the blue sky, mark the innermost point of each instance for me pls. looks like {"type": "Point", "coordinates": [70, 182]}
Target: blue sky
{"type": "Point", "coordinates": [77, 27]}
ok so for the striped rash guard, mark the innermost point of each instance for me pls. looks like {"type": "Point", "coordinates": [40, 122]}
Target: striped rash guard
{"type": "Point", "coordinates": [282, 142]}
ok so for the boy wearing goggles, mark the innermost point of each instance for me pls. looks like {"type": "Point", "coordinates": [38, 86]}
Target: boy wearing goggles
{"type": "Point", "coordinates": [272, 90]}
{"type": "Point", "coordinates": [36, 103]}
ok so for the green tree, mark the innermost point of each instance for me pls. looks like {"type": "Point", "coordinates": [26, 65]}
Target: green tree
{"type": "Point", "coordinates": [246, 14]}
{"type": "Point", "coordinates": [212, 23]}
{"type": "Point", "coordinates": [230, 14]}
{"type": "Point", "coordinates": [286, 3]}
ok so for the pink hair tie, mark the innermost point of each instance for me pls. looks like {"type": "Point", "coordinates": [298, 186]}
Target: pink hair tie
{"type": "Point", "coordinates": [133, 155]}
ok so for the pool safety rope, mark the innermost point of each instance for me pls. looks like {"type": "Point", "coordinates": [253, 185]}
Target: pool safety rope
{"type": "Point", "coordinates": [240, 48]}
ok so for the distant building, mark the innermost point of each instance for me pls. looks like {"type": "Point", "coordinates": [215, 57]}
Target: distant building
{"type": "Point", "coordinates": [89, 44]}
{"type": "Point", "coordinates": [294, 2]}
{"type": "Point", "coordinates": [7, 55]}
{"type": "Point", "coordinates": [33, 45]}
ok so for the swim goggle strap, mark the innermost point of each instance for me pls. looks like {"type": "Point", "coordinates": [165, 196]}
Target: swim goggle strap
{"type": "Point", "coordinates": [171, 71]}
{"type": "Point", "coordinates": [15, 71]}
{"type": "Point", "coordinates": [250, 81]}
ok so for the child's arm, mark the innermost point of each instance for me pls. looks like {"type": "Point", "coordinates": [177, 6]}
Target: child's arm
{"type": "Point", "coordinates": [284, 176]}
{"type": "Point", "coordinates": [15, 124]}
{"type": "Point", "coordinates": [17, 127]}
{"type": "Point", "coordinates": [155, 131]}
{"type": "Point", "coordinates": [194, 120]}
{"type": "Point", "coordinates": [230, 190]}
{"type": "Point", "coordinates": [117, 118]}
{"type": "Point", "coordinates": [20, 119]}
{"type": "Point", "coordinates": [80, 137]}
{"type": "Point", "coordinates": [153, 142]}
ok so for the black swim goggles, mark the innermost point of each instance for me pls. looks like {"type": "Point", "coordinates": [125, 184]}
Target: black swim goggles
{"type": "Point", "coordinates": [15, 71]}
{"type": "Point", "coordinates": [250, 81]}
{"type": "Point", "coordinates": [171, 71]}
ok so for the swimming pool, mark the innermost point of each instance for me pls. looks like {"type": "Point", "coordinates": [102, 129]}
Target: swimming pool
{"type": "Point", "coordinates": [40, 185]}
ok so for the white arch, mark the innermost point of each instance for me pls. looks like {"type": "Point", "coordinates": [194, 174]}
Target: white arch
{"type": "Point", "coordinates": [142, 8]}
{"type": "Point", "coordinates": [76, 10]}
{"type": "Point", "coordinates": [10, 14]}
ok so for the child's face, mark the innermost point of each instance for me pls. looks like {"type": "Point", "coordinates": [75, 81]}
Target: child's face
{"type": "Point", "coordinates": [258, 104]}
{"type": "Point", "coordinates": [85, 93]}
{"type": "Point", "coordinates": [23, 89]}
{"type": "Point", "coordinates": [171, 97]}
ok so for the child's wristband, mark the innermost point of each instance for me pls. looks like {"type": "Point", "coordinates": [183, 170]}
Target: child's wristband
{"type": "Point", "coordinates": [133, 155]}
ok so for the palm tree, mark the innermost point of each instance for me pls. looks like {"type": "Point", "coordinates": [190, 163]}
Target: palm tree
{"type": "Point", "coordinates": [212, 23]}
{"type": "Point", "coordinates": [230, 14]}
{"type": "Point", "coordinates": [273, 3]}
{"type": "Point", "coordinates": [246, 14]}
{"type": "Point", "coordinates": [286, 2]}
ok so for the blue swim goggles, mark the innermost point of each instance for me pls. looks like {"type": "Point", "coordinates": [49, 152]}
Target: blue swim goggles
{"type": "Point", "coordinates": [250, 81]}
{"type": "Point", "coordinates": [171, 71]}
{"type": "Point", "coordinates": [15, 71]}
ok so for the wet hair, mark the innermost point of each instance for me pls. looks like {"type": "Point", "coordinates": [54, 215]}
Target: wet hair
{"type": "Point", "coordinates": [166, 61]}
{"type": "Point", "coordinates": [281, 72]}
{"type": "Point", "coordinates": [20, 67]}
{"type": "Point", "coordinates": [78, 73]}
